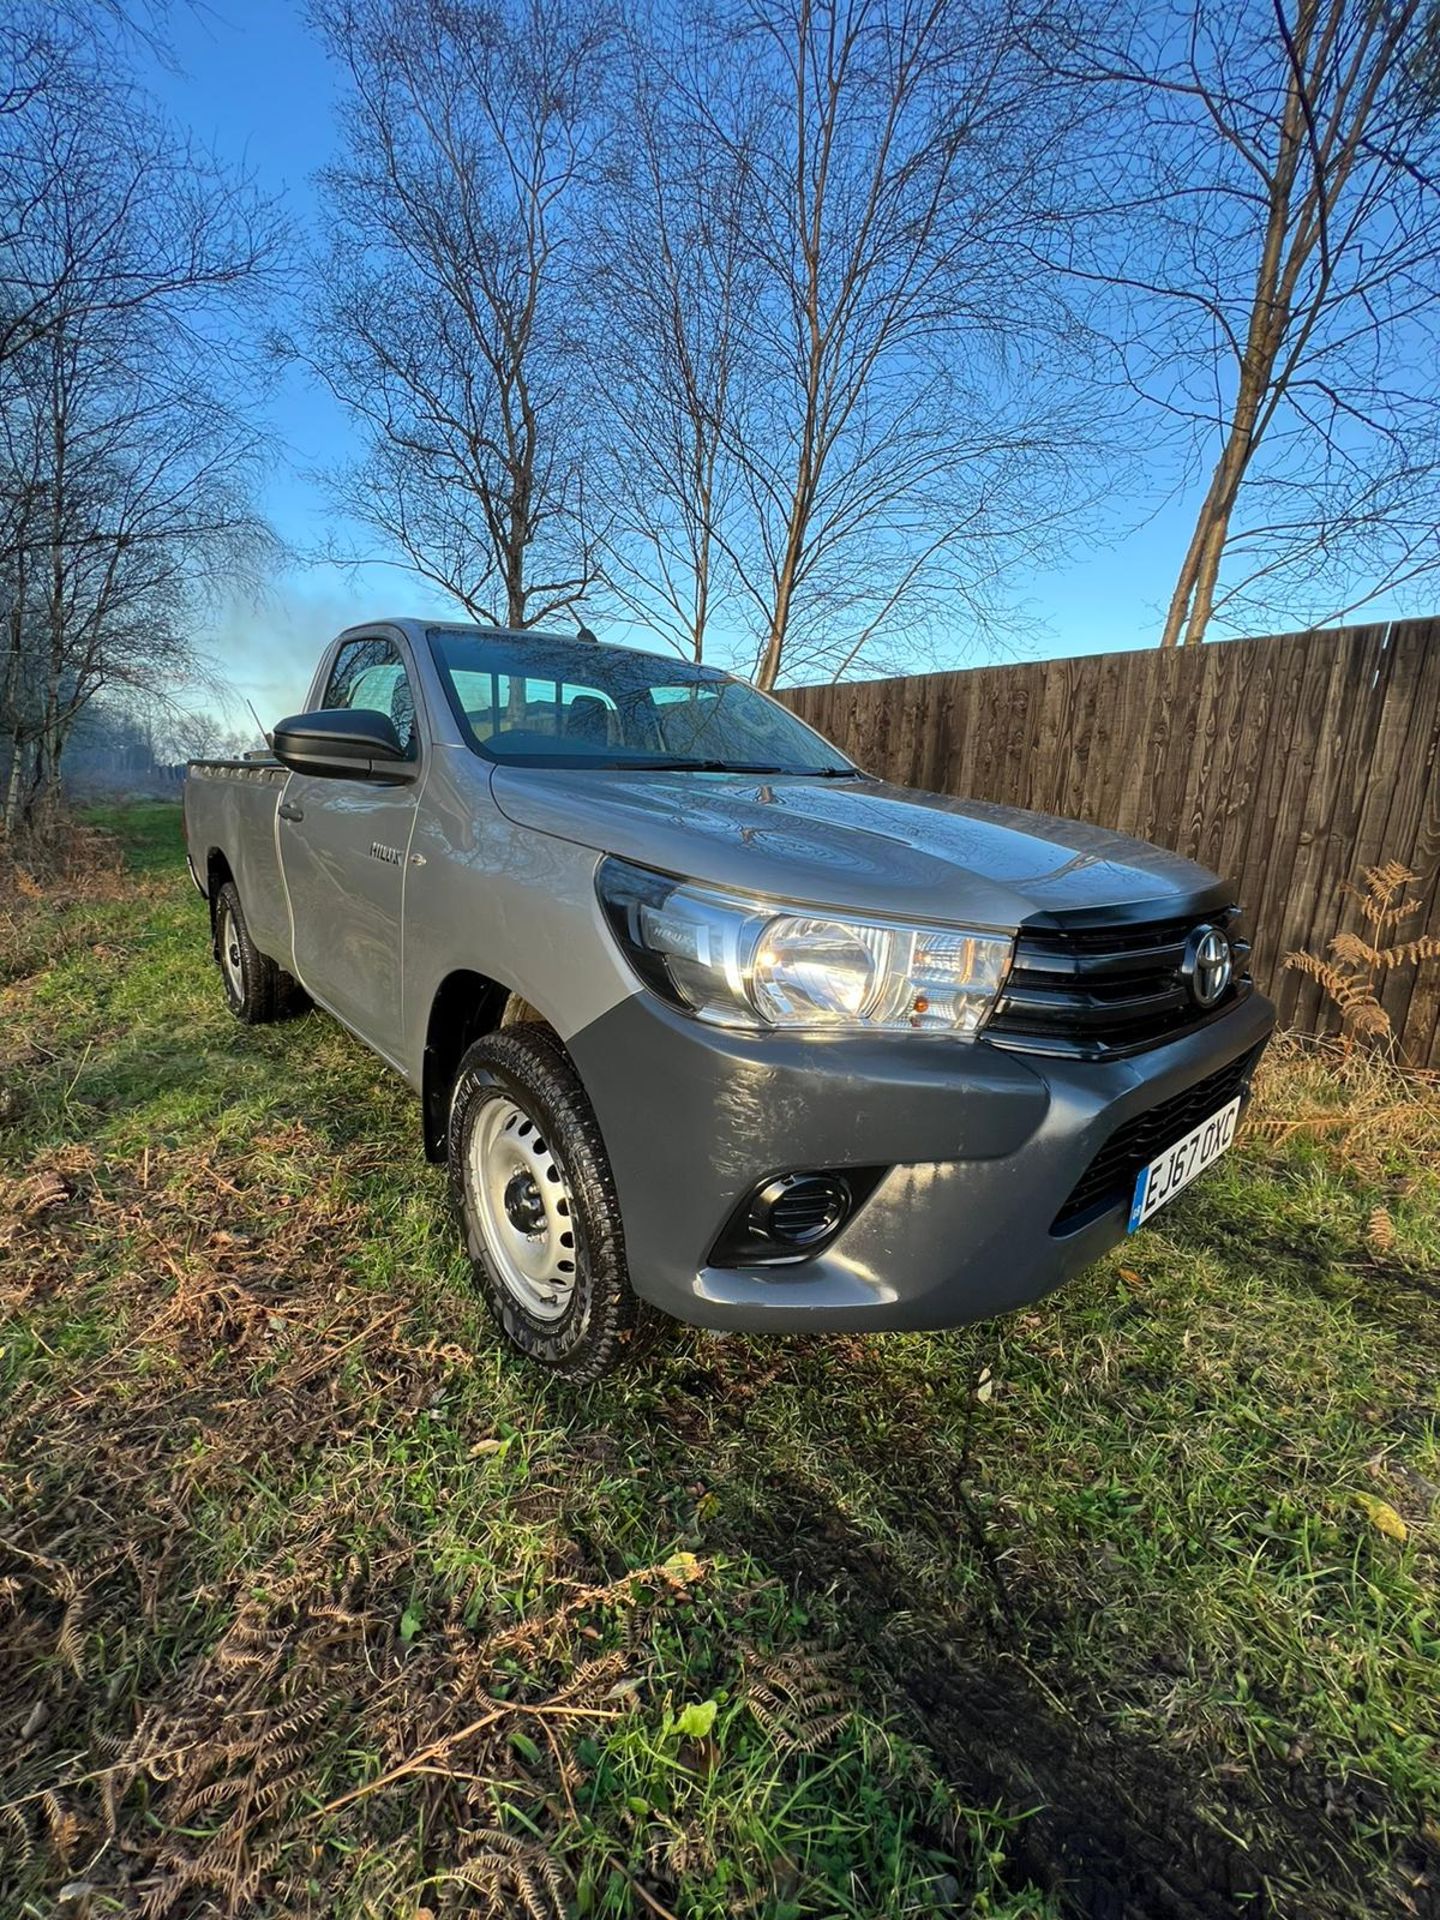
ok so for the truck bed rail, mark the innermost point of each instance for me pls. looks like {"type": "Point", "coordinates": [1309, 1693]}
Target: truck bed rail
{"type": "Point", "coordinates": [203, 767]}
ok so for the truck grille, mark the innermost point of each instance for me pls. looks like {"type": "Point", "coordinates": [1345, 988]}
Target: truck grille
{"type": "Point", "coordinates": [1109, 1180]}
{"type": "Point", "coordinates": [1104, 990]}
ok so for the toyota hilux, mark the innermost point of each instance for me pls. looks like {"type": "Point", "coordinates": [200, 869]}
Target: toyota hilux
{"type": "Point", "coordinates": [706, 1021]}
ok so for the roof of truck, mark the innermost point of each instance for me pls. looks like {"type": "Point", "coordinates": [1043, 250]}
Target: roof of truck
{"type": "Point", "coordinates": [416, 629]}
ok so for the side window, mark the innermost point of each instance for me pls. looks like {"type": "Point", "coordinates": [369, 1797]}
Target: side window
{"type": "Point", "coordinates": [370, 673]}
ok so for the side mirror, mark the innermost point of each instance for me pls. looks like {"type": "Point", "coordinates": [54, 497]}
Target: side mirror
{"type": "Point", "coordinates": [343, 743]}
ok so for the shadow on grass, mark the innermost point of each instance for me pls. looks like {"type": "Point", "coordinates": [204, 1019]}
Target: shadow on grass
{"type": "Point", "coordinates": [1115, 1825]}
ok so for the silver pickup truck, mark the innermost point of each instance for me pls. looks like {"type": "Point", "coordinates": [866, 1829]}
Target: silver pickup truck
{"type": "Point", "coordinates": [706, 1021]}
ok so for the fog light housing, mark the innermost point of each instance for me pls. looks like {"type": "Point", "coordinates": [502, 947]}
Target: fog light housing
{"type": "Point", "coordinates": [793, 1216]}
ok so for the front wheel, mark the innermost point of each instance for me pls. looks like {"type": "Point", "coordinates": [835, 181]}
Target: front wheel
{"type": "Point", "coordinates": [537, 1205]}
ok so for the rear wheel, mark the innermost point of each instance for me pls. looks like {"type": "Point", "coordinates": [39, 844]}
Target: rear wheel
{"type": "Point", "coordinates": [255, 987]}
{"type": "Point", "coordinates": [538, 1208]}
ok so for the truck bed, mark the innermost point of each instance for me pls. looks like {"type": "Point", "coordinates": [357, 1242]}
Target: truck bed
{"type": "Point", "coordinates": [230, 833]}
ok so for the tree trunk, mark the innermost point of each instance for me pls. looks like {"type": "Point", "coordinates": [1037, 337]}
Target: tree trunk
{"type": "Point", "coordinates": [15, 784]}
{"type": "Point", "coordinates": [774, 648]}
{"type": "Point", "coordinates": [1269, 318]}
{"type": "Point", "coordinates": [1185, 585]}
{"type": "Point", "coordinates": [780, 619]}
{"type": "Point", "coordinates": [516, 539]}
{"type": "Point", "coordinates": [1194, 596]}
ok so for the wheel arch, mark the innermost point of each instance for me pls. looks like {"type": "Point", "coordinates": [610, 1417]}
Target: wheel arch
{"type": "Point", "coordinates": [465, 1006]}
{"type": "Point", "coordinates": [217, 872]}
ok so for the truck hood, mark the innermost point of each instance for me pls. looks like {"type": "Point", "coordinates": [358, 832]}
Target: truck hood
{"type": "Point", "coordinates": [857, 844]}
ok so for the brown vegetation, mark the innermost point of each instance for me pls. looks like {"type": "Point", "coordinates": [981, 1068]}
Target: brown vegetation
{"type": "Point", "coordinates": [1353, 971]}
{"type": "Point", "coordinates": [195, 1772]}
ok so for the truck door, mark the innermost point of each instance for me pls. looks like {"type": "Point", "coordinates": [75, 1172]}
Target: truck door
{"type": "Point", "coordinates": [344, 849]}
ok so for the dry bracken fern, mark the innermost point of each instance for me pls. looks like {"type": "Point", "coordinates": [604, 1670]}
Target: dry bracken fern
{"type": "Point", "coordinates": [801, 1700]}
{"type": "Point", "coordinates": [1380, 1231]}
{"type": "Point", "coordinates": [1383, 899]}
{"type": "Point", "coordinates": [1352, 971]}
{"type": "Point", "coordinates": [1359, 1103]}
{"type": "Point", "coordinates": [16, 1828]}
{"type": "Point", "coordinates": [515, 1879]}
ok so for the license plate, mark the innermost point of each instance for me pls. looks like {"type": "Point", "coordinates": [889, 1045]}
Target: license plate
{"type": "Point", "coordinates": [1179, 1165]}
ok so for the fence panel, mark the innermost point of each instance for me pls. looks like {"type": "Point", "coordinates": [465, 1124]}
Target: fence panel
{"type": "Point", "coordinates": [1287, 763]}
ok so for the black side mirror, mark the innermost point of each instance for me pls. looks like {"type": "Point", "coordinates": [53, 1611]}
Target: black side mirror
{"type": "Point", "coordinates": [345, 743]}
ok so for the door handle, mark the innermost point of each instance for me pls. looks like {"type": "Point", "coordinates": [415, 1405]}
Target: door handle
{"type": "Point", "coordinates": [288, 811]}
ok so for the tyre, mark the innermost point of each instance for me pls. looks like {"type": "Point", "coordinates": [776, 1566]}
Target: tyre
{"type": "Point", "coordinates": [537, 1206]}
{"type": "Point", "coordinates": [255, 987]}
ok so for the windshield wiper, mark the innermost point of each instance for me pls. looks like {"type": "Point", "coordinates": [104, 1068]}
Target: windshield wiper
{"type": "Point", "coordinates": [698, 765]}
{"type": "Point", "coordinates": [711, 766]}
{"type": "Point", "coordinates": [747, 766]}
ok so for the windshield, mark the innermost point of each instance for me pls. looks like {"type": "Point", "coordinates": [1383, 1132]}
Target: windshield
{"type": "Point", "coordinates": [544, 701]}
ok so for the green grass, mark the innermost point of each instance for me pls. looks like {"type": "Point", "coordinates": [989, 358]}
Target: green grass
{"type": "Point", "coordinates": [313, 1600]}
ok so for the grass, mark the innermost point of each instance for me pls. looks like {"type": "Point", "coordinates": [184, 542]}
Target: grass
{"type": "Point", "coordinates": [313, 1601]}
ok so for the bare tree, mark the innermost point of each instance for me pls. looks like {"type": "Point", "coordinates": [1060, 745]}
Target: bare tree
{"type": "Point", "coordinates": [1270, 208]}
{"type": "Point", "coordinates": [199, 733]}
{"type": "Point", "coordinates": [64, 85]}
{"type": "Point", "coordinates": [141, 505]}
{"type": "Point", "coordinates": [676, 282]}
{"type": "Point", "coordinates": [914, 423]}
{"type": "Point", "coordinates": [123, 466]}
{"type": "Point", "coordinates": [138, 506]}
{"type": "Point", "coordinates": [442, 312]}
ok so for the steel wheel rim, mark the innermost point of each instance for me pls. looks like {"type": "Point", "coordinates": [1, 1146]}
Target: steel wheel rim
{"type": "Point", "coordinates": [522, 1204]}
{"type": "Point", "coordinates": [231, 958]}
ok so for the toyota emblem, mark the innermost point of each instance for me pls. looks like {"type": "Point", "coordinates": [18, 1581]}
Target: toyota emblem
{"type": "Point", "coordinates": [1208, 965]}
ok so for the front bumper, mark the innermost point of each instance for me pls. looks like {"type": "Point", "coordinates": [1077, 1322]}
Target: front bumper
{"type": "Point", "coordinates": [983, 1148]}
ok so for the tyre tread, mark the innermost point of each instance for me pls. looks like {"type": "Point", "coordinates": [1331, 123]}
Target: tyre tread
{"type": "Point", "coordinates": [263, 997]}
{"type": "Point", "coordinates": [532, 1058]}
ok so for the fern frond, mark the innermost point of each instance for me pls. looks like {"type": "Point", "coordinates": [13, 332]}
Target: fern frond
{"type": "Point", "coordinates": [1354, 993]}
{"type": "Point", "coordinates": [1350, 950]}
{"type": "Point", "coordinates": [514, 1876]}
{"type": "Point", "coordinates": [1386, 880]}
{"type": "Point", "coordinates": [800, 1702]}
{"type": "Point", "coordinates": [1368, 1017]}
{"type": "Point", "coordinates": [18, 1828]}
{"type": "Point", "coordinates": [1330, 977]}
{"type": "Point", "coordinates": [1382, 900]}
{"type": "Point", "coordinates": [1427, 947]}
{"type": "Point", "coordinates": [70, 1641]}
{"type": "Point", "coordinates": [1394, 917]}
{"type": "Point", "coordinates": [1380, 1231]}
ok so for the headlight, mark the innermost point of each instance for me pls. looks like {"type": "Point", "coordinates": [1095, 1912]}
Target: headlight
{"type": "Point", "coordinates": [749, 963]}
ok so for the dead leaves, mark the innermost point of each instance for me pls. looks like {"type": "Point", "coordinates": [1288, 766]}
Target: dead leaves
{"type": "Point", "coordinates": [42, 1194]}
{"type": "Point", "coordinates": [1382, 1516]}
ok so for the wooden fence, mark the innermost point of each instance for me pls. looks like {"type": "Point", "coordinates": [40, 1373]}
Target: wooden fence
{"type": "Point", "coordinates": [1287, 764]}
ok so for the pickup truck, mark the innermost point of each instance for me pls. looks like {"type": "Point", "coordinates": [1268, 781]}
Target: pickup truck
{"type": "Point", "coordinates": [706, 1021]}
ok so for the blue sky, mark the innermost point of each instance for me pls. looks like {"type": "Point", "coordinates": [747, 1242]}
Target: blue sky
{"type": "Point", "coordinates": [251, 82]}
